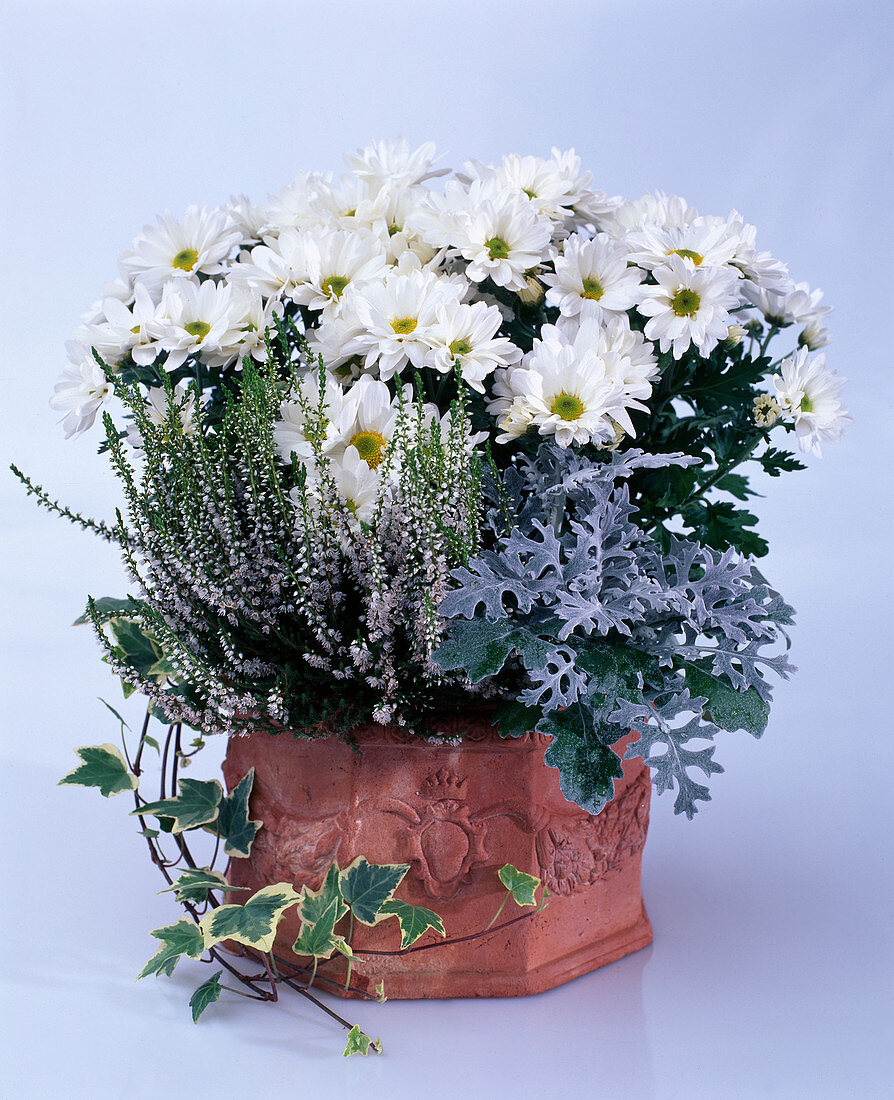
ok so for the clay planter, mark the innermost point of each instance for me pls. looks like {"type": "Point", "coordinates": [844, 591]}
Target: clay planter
{"type": "Point", "coordinates": [456, 814]}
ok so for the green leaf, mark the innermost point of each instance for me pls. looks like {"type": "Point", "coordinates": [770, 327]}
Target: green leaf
{"type": "Point", "coordinates": [253, 923]}
{"type": "Point", "coordinates": [482, 647]}
{"type": "Point", "coordinates": [183, 938]}
{"type": "Point", "coordinates": [319, 940]}
{"type": "Point", "coordinates": [514, 719]}
{"type": "Point", "coordinates": [580, 750]}
{"type": "Point", "coordinates": [317, 904]}
{"type": "Point", "coordinates": [233, 821]}
{"type": "Point", "coordinates": [360, 1043]}
{"type": "Point", "coordinates": [138, 649]}
{"type": "Point", "coordinates": [731, 709]}
{"type": "Point", "coordinates": [196, 804]}
{"type": "Point", "coordinates": [104, 767]}
{"type": "Point", "coordinates": [523, 887]}
{"type": "Point", "coordinates": [736, 485]}
{"type": "Point", "coordinates": [380, 993]}
{"type": "Point", "coordinates": [194, 884]}
{"type": "Point", "coordinates": [108, 607]}
{"type": "Point", "coordinates": [206, 994]}
{"type": "Point", "coordinates": [414, 920]}
{"type": "Point", "coordinates": [367, 886]}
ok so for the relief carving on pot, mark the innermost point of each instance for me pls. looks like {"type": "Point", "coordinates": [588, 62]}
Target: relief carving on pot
{"type": "Point", "coordinates": [293, 850]}
{"type": "Point", "coordinates": [577, 850]}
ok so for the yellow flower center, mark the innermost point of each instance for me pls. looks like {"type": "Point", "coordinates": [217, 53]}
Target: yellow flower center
{"type": "Point", "coordinates": [806, 405]}
{"type": "Point", "coordinates": [186, 259]}
{"type": "Point", "coordinates": [334, 286]}
{"type": "Point", "coordinates": [199, 329]}
{"type": "Point", "coordinates": [567, 406]}
{"type": "Point", "coordinates": [403, 326]}
{"type": "Point", "coordinates": [370, 446]}
{"type": "Point", "coordinates": [685, 303]}
{"type": "Point", "coordinates": [687, 254]}
{"type": "Point", "coordinates": [460, 347]}
{"type": "Point", "coordinates": [136, 330]}
{"type": "Point", "coordinates": [530, 194]}
{"type": "Point", "coordinates": [592, 290]}
{"type": "Point", "coordinates": [497, 248]}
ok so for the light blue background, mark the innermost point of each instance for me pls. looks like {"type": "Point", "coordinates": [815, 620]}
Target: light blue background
{"type": "Point", "coordinates": [770, 971]}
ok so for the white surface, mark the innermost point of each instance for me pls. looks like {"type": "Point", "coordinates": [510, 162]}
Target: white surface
{"type": "Point", "coordinates": [770, 971]}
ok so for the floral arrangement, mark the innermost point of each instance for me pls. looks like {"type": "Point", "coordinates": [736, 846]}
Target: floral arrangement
{"type": "Point", "coordinates": [393, 448]}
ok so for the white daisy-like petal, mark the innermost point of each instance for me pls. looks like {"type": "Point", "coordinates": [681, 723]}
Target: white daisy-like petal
{"type": "Point", "coordinates": [199, 320]}
{"type": "Point", "coordinates": [811, 394]}
{"type": "Point", "coordinates": [467, 335]}
{"type": "Point", "coordinates": [80, 393]}
{"type": "Point", "coordinates": [394, 162]}
{"type": "Point", "coordinates": [293, 433]}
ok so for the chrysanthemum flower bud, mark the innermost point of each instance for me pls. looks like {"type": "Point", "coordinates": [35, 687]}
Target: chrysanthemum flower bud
{"type": "Point", "coordinates": [754, 327]}
{"type": "Point", "coordinates": [813, 336]}
{"type": "Point", "coordinates": [533, 292]}
{"type": "Point", "coordinates": [735, 335]}
{"type": "Point", "coordinates": [766, 410]}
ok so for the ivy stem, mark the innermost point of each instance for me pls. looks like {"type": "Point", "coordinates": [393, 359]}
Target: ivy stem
{"type": "Point", "coordinates": [350, 938]}
{"type": "Point", "coordinates": [274, 992]}
{"type": "Point", "coordinates": [493, 919]}
{"type": "Point", "coordinates": [458, 939]}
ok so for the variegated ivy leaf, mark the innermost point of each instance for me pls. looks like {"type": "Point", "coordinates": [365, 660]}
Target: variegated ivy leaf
{"type": "Point", "coordinates": [183, 938]}
{"type": "Point", "coordinates": [195, 883]}
{"type": "Point", "coordinates": [197, 804]}
{"type": "Point", "coordinates": [360, 1043]}
{"type": "Point", "coordinates": [104, 767]}
{"type": "Point", "coordinates": [233, 821]}
{"type": "Point", "coordinates": [206, 994]}
{"type": "Point", "coordinates": [367, 886]}
{"type": "Point", "coordinates": [319, 941]}
{"type": "Point", "coordinates": [253, 923]}
{"type": "Point", "coordinates": [414, 920]}
{"type": "Point", "coordinates": [523, 887]}
{"type": "Point", "coordinates": [380, 993]}
{"type": "Point", "coordinates": [317, 904]}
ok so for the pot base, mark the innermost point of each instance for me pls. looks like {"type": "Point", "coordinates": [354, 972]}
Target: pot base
{"type": "Point", "coordinates": [456, 814]}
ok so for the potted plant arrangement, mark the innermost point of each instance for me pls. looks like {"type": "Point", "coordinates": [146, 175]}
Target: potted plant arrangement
{"type": "Point", "coordinates": [435, 505]}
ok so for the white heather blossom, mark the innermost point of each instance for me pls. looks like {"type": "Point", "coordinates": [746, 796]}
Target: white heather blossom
{"type": "Point", "coordinates": [80, 393]}
{"type": "Point", "coordinates": [294, 433]}
{"type": "Point", "coordinates": [811, 394]}
{"type": "Point", "coordinates": [395, 316]}
{"type": "Point", "coordinates": [689, 305]}
{"type": "Point", "coordinates": [199, 320]}
{"type": "Point", "coordinates": [592, 278]}
{"type": "Point", "coordinates": [467, 334]}
{"type": "Point", "coordinates": [394, 162]}
{"type": "Point", "coordinates": [181, 250]}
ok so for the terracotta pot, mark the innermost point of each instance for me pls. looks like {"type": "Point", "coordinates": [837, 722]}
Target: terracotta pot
{"type": "Point", "coordinates": [456, 814]}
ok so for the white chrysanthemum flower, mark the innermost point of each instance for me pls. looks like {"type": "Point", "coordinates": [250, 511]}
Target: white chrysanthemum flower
{"type": "Point", "coordinates": [811, 395]}
{"type": "Point", "coordinates": [467, 335]}
{"type": "Point", "coordinates": [653, 209]}
{"type": "Point", "coordinates": [294, 434]}
{"type": "Point", "coordinates": [357, 485]}
{"type": "Point", "coordinates": [555, 187]}
{"type": "Point", "coordinates": [499, 233]}
{"type": "Point", "coordinates": [394, 162]}
{"type": "Point", "coordinates": [689, 305]}
{"type": "Point", "coordinates": [814, 336]}
{"type": "Point", "coordinates": [121, 329]}
{"type": "Point", "coordinates": [184, 398]}
{"type": "Point", "coordinates": [396, 315]}
{"type": "Point", "coordinates": [390, 213]}
{"type": "Point", "coordinates": [175, 250]}
{"type": "Point", "coordinates": [712, 242]}
{"type": "Point", "coordinates": [251, 320]}
{"type": "Point", "coordinates": [578, 390]}
{"type": "Point", "coordinates": [367, 421]}
{"type": "Point", "coordinates": [80, 393]}
{"type": "Point", "coordinates": [793, 304]}
{"type": "Point", "coordinates": [294, 205]}
{"type": "Point", "coordinates": [592, 278]}
{"type": "Point", "coordinates": [199, 320]}
{"type": "Point", "coordinates": [333, 260]}
{"type": "Point", "coordinates": [250, 218]}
